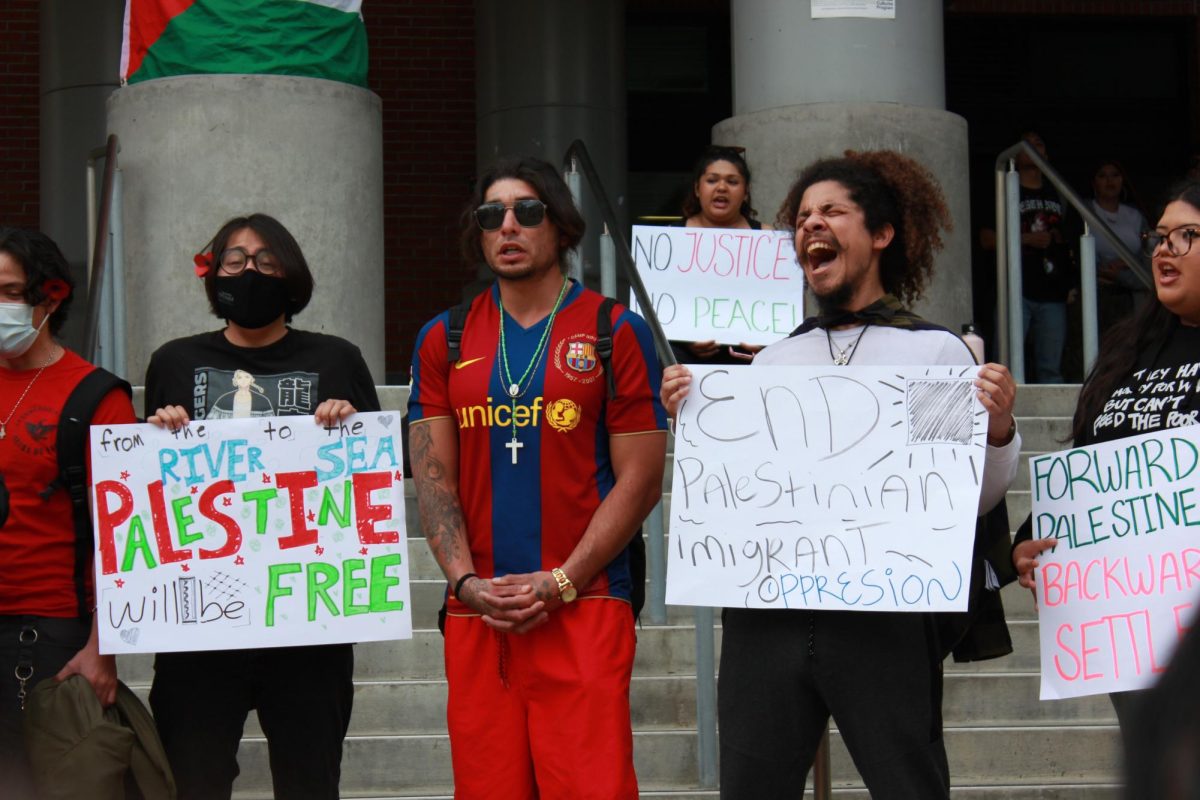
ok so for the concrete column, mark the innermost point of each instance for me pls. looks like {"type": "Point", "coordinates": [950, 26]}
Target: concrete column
{"type": "Point", "coordinates": [80, 55]}
{"type": "Point", "coordinates": [806, 89]}
{"type": "Point", "coordinates": [197, 150]}
{"type": "Point", "coordinates": [547, 73]}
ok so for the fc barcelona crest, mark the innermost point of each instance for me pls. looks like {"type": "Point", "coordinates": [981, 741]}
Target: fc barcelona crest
{"type": "Point", "coordinates": [581, 356]}
{"type": "Point", "coordinates": [576, 358]}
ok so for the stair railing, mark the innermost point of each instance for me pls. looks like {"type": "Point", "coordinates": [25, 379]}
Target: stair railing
{"type": "Point", "coordinates": [617, 252]}
{"type": "Point", "coordinates": [104, 325]}
{"type": "Point", "coordinates": [1010, 317]}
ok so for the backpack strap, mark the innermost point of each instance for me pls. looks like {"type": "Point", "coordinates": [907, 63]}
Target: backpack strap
{"type": "Point", "coordinates": [604, 343]}
{"type": "Point", "coordinates": [71, 443]}
{"type": "Point", "coordinates": [454, 330]}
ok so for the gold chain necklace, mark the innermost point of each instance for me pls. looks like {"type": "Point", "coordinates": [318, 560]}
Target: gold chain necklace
{"type": "Point", "coordinates": [36, 375]}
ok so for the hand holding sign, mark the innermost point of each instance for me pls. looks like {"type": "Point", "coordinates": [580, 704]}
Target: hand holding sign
{"type": "Point", "coordinates": [257, 532]}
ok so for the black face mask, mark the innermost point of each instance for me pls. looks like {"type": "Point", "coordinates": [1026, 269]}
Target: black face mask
{"type": "Point", "coordinates": [251, 299]}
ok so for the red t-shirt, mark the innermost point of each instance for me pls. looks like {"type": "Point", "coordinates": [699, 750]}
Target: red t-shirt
{"type": "Point", "coordinates": [37, 543]}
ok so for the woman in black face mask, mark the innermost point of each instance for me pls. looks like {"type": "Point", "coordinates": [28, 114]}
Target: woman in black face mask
{"type": "Point", "coordinates": [256, 279]}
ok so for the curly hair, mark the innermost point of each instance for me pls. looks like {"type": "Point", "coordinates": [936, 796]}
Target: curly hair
{"type": "Point", "coordinates": [891, 189]}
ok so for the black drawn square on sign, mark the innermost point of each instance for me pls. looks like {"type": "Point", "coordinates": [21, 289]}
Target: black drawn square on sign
{"type": "Point", "coordinates": [939, 411]}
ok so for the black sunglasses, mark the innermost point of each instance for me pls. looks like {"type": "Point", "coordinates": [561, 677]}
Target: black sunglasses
{"type": "Point", "coordinates": [529, 212]}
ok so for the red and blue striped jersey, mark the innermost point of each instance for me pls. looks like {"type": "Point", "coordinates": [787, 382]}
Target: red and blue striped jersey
{"type": "Point", "coordinates": [529, 515]}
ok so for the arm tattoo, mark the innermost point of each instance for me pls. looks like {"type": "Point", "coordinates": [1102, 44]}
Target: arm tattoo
{"type": "Point", "coordinates": [441, 511]}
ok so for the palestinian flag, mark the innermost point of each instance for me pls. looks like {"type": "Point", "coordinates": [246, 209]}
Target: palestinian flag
{"type": "Point", "coordinates": [311, 38]}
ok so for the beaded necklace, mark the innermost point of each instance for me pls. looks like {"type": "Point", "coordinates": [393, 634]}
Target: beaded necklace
{"type": "Point", "coordinates": [515, 389]}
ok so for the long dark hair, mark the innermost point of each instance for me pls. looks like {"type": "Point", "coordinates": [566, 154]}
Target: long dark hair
{"type": "Point", "coordinates": [39, 256]}
{"type": "Point", "coordinates": [1147, 330]}
{"type": "Point", "coordinates": [715, 153]}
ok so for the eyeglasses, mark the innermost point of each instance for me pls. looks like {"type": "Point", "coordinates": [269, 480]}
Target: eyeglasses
{"type": "Point", "coordinates": [1179, 241]}
{"type": "Point", "coordinates": [529, 213]}
{"type": "Point", "coordinates": [235, 259]}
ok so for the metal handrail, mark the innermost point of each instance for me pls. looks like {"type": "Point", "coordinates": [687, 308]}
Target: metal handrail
{"type": "Point", "coordinates": [99, 250]}
{"type": "Point", "coordinates": [1008, 257]}
{"type": "Point", "coordinates": [575, 159]}
{"type": "Point", "coordinates": [577, 156]}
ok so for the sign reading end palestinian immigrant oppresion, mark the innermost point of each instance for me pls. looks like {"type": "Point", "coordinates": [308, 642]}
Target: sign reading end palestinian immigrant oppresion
{"type": "Point", "coordinates": [713, 284]}
{"type": "Point", "coordinates": [853, 488]}
{"type": "Point", "coordinates": [263, 532]}
{"type": "Point", "coordinates": [1118, 591]}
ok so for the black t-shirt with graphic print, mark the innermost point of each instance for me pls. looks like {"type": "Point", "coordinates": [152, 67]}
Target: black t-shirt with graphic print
{"type": "Point", "coordinates": [1162, 392]}
{"type": "Point", "coordinates": [215, 379]}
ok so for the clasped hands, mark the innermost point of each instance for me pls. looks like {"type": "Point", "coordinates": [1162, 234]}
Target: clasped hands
{"type": "Point", "coordinates": [513, 603]}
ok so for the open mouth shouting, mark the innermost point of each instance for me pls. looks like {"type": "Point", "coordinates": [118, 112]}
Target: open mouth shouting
{"type": "Point", "coordinates": [818, 253]}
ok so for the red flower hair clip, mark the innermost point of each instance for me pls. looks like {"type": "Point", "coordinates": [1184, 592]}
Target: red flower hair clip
{"type": "Point", "coordinates": [56, 289]}
{"type": "Point", "coordinates": [203, 262]}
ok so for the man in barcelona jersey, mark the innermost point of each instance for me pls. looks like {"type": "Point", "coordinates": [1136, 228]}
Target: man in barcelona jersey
{"type": "Point", "coordinates": [534, 468]}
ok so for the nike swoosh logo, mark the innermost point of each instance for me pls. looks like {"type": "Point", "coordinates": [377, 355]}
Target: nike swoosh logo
{"type": "Point", "coordinates": [467, 363]}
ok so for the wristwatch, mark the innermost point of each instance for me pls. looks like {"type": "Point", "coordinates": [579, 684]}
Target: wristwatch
{"type": "Point", "coordinates": [566, 589]}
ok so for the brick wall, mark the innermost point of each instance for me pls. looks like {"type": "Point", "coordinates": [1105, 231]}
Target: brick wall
{"type": "Point", "coordinates": [422, 64]}
{"type": "Point", "coordinates": [19, 113]}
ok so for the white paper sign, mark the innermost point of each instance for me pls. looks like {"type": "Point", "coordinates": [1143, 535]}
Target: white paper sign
{"type": "Point", "coordinates": [731, 286]}
{"type": "Point", "coordinates": [259, 532]}
{"type": "Point", "coordinates": [868, 9]}
{"type": "Point", "coordinates": [826, 487]}
{"type": "Point", "coordinates": [1118, 590]}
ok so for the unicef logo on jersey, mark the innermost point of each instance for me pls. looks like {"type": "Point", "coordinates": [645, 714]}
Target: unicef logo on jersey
{"type": "Point", "coordinates": [562, 415]}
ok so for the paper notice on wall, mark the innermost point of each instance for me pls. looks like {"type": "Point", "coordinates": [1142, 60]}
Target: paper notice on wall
{"type": "Point", "coordinates": [863, 9]}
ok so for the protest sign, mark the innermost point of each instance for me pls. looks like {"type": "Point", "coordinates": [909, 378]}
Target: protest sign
{"type": "Point", "coordinates": [826, 487]}
{"type": "Point", "coordinates": [731, 286]}
{"type": "Point", "coordinates": [259, 532]}
{"type": "Point", "coordinates": [1116, 593]}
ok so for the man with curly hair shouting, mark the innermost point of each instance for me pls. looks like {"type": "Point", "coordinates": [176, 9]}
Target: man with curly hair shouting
{"type": "Point", "coordinates": [867, 227]}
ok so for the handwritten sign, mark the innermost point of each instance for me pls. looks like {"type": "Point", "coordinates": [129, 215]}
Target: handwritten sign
{"type": "Point", "coordinates": [731, 286]}
{"type": "Point", "coordinates": [826, 488]}
{"type": "Point", "coordinates": [259, 532]}
{"type": "Point", "coordinates": [1117, 592]}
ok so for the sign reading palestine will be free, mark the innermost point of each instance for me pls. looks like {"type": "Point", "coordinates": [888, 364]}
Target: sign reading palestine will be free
{"type": "Point", "coordinates": [263, 532]}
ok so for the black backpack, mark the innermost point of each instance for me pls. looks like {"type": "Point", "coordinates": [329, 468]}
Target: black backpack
{"type": "Point", "coordinates": [604, 351]}
{"type": "Point", "coordinates": [71, 443]}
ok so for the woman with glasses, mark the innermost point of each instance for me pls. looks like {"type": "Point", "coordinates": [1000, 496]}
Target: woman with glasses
{"type": "Point", "coordinates": [256, 279]}
{"type": "Point", "coordinates": [719, 198]}
{"type": "Point", "coordinates": [1163, 335]}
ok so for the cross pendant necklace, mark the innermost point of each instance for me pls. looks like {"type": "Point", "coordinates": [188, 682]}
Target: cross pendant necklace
{"type": "Point", "coordinates": [514, 445]}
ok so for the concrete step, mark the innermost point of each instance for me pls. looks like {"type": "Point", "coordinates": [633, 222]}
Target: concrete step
{"type": "Point", "coordinates": [1056, 792]}
{"type": "Point", "coordinates": [1046, 400]}
{"type": "Point", "coordinates": [669, 703]}
{"type": "Point", "coordinates": [662, 650]}
{"type": "Point", "coordinates": [980, 757]}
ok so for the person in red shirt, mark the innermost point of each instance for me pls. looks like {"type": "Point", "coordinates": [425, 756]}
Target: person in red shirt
{"type": "Point", "coordinates": [43, 630]}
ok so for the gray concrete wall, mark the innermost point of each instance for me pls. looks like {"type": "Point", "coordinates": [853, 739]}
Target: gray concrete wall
{"type": "Point", "coordinates": [780, 142]}
{"type": "Point", "coordinates": [806, 89]}
{"type": "Point", "coordinates": [80, 54]}
{"type": "Point", "coordinates": [783, 57]}
{"type": "Point", "coordinates": [547, 73]}
{"type": "Point", "coordinates": [198, 150]}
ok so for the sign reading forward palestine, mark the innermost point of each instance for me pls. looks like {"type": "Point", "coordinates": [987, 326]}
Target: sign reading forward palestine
{"type": "Point", "coordinates": [309, 38]}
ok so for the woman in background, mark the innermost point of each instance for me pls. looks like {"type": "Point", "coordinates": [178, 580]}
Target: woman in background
{"type": "Point", "coordinates": [720, 198]}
